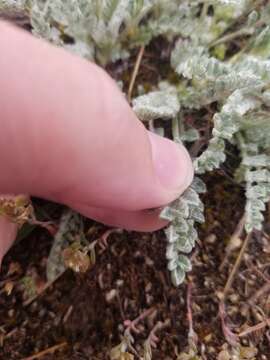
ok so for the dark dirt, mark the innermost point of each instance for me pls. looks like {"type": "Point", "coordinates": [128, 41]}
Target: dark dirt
{"type": "Point", "coordinates": [85, 313]}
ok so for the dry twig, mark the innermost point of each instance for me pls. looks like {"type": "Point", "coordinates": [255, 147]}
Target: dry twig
{"type": "Point", "coordinates": [235, 236]}
{"type": "Point", "coordinates": [103, 240]}
{"type": "Point", "coordinates": [230, 337]}
{"type": "Point", "coordinates": [131, 324]}
{"type": "Point", "coordinates": [67, 314]}
{"type": "Point", "coordinates": [254, 328]}
{"type": "Point", "coordinates": [135, 72]}
{"type": "Point", "coordinates": [262, 291]}
{"type": "Point", "coordinates": [44, 288]}
{"type": "Point", "coordinates": [152, 337]}
{"type": "Point", "coordinates": [50, 350]}
{"type": "Point", "coordinates": [191, 333]}
{"type": "Point", "coordinates": [236, 265]}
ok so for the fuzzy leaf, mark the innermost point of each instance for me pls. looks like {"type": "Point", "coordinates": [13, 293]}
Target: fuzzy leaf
{"type": "Point", "coordinates": [190, 135]}
{"type": "Point", "coordinates": [177, 276]}
{"type": "Point", "coordinates": [155, 105]}
{"type": "Point", "coordinates": [171, 252]}
{"type": "Point", "coordinates": [70, 226]}
{"type": "Point", "coordinates": [198, 185]}
{"type": "Point", "coordinates": [171, 234]}
{"type": "Point", "coordinates": [184, 244]}
{"type": "Point", "coordinates": [184, 263]}
{"type": "Point", "coordinates": [258, 176]}
{"type": "Point", "coordinates": [256, 160]}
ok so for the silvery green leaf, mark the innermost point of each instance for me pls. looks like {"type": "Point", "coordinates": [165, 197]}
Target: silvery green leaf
{"type": "Point", "coordinates": [98, 24]}
{"type": "Point", "coordinates": [171, 234]}
{"type": "Point", "coordinates": [155, 105]}
{"type": "Point", "coordinates": [259, 204]}
{"type": "Point", "coordinates": [212, 157]}
{"type": "Point", "coordinates": [253, 209]}
{"type": "Point", "coordinates": [169, 213]}
{"type": "Point", "coordinates": [234, 8]}
{"type": "Point", "coordinates": [14, 11]}
{"type": "Point", "coordinates": [261, 191]}
{"type": "Point", "coordinates": [172, 264]}
{"type": "Point", "coordinates": [209, 68]}
{"type": "Point", "coordinates": [252, 18]}
{"type": "Point", "coordinates": [257, 132]}
{"type": "Point", "coordinates": [253, 223]}
{"type": "Point", "coordinates": [255, 66]}
{"type": "Point", "coordinates": [192, 236]}
{"type": "Point", "coordinates": [191, 197]}
{"type": "Point", "coordinates": [266, 97]}
{"type": "Point", "coordinates": [190, 135]}
{"type": "Point", "coordinates": [183, 57]}
{"type": "Point", "coordinates": [249, 226]}
{"type": "Point", "coordinates": [232, 2]}
{"type": "Point", "coordinates": [240, 101]}
{"type": "Point", "coordinates": [254, 217]}
{"type": "Point", "coordinates": [118, 16]}
{"type": "Point", "coordinates": [256, 160]}
{"type": "Point", "coordinates": [198, 185]}
{"type": "Point", "coordinates": [199, 206]}
{"type": "Point", "coordinates": [261, 175]}
{"type": "Point", "coordinates": [166, 214]}
{"type": "Point", "coordinates": [244, 79]}
{"type": "Point", "coordinates": [250, 148]}
{"type": "Point", "coordinates": [184, 263]}
{"type": "Point", "coordinates": [140, 7]}
{"type": "Point", "coordinates": [179, 18]}
{"type": "Point", "coordinates": [181, 225]}
{"type": "Point", "coordinates": [80, 48]}
{"type": "Point", "coordinates": [197, 215]}
{"type": "Point", "coordinates": [226, 124]}
{"type": "Point", "coordinates": [70, 225]}
{"type": "Point", "coordinates": [181, 208]}
{"type": "Point", "coordinates": [167, 86]}
{"type": "Point", "coordinates": [177, 276]}
{"type": "Point", "coordinates": [261, 46]}
{"type": "Point", "coordinates": [171, 252]}
{"type": "Point", "coordinates": [184, 244]}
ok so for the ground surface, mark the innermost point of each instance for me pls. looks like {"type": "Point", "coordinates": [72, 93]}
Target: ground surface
{"type": "Point", "coordinates": [85, 314]}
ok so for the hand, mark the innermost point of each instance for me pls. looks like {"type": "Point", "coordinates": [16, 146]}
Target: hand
{"type": "Point", "coordinates": [68, 135]}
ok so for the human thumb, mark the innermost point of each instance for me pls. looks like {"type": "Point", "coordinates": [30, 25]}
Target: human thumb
{"type": "Point", "coordinates": [69, 135]}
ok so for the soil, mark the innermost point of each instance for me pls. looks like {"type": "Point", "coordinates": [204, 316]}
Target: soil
{"type": "Point", "coordinates": [82, 316]}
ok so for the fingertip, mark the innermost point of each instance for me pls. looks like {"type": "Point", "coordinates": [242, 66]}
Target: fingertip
{"type": "Point", "coordinates": [172, 164]}
{"type": "Point", "coordinates": [144, 220]}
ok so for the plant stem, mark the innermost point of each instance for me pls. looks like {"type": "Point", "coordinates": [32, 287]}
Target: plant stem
{"type": "Point", "coordinates": [51, 350]}
{"type": "Point", "coordinates": [236, 265]}
{"type": "Point", "coordinates": [231, 36]}
{"type": "Point", "coordinates": [135, 72]}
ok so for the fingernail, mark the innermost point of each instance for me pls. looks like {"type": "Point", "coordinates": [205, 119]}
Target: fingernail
{"type": "Point", "coordinates": [172, 163]}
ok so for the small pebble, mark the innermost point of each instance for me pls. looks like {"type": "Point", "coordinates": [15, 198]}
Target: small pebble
{"type": "Point", "coordinates": [110, 295]}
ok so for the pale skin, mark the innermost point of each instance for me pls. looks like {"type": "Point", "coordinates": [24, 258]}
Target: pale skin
{"type": "Point", "coordinates": [69, 135]}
